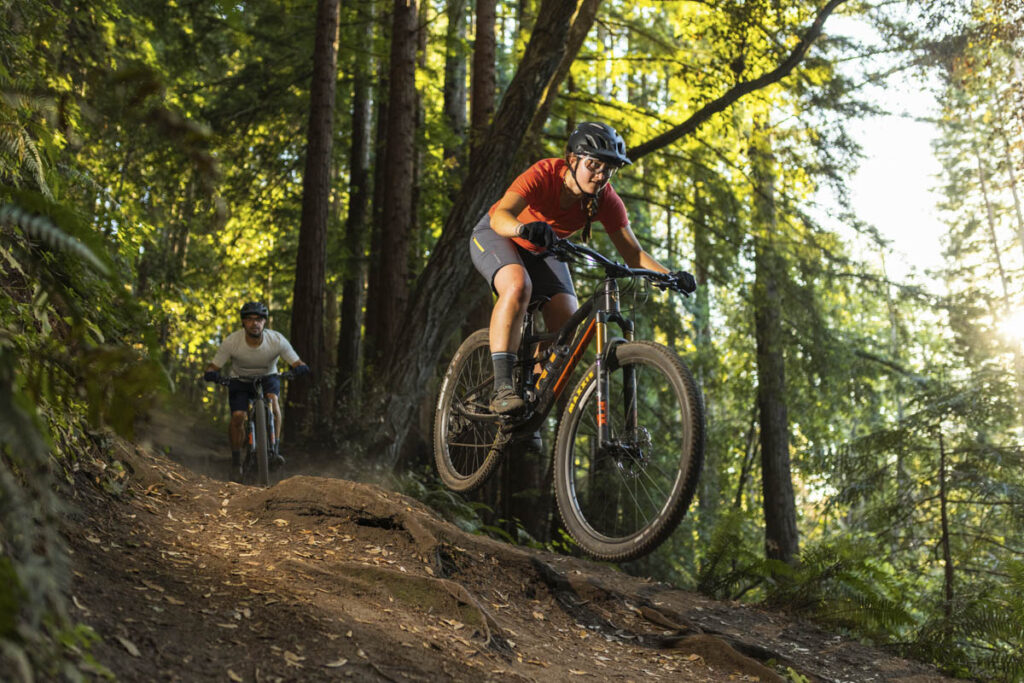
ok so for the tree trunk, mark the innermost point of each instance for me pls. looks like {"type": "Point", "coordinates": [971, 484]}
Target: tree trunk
{"type": "Point", "coordinates": [356, 225]}
{"type": "Point", "coordinates": [781, 541]}
{"type": "Point", "coordinates": [581, 25]}
{"type": "Point", "coordinates": [947, 553]}
{"type": "Point", "coordinates": [455, 86]}
{"type": "Point", "coordinates": [308, 297]}
{"type": "Point", "coordinates": [439, 299]}
{"type": "Point", "coordinates": [483, 79]}
{"type": "Point", "coordinates": [390, 292]}
{"type": "Point", "coordinates": [377, 227]}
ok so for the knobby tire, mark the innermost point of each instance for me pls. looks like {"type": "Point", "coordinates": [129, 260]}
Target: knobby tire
{"type": "Point", "coordinates": [621, 501]}
{"type": "Point", "coordinates": [462, 447]}
{"type": "Point", "coordinates": [262, 460]}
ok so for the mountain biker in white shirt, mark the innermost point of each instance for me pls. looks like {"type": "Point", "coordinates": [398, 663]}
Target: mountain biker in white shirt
{"type": "Point", "coordinates": [252, 350]}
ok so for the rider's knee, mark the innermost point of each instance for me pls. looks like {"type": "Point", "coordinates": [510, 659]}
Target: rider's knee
{"type": "Point", "coordinates": [514, 283]}
{"type": "Point", "coordinates": [237, 416]}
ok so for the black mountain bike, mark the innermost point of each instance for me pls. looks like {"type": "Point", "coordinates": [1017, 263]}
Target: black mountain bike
{"type": "Point", "coordinates": [260, 434]}
{"type": "Point", "coordinates": [630, 442]}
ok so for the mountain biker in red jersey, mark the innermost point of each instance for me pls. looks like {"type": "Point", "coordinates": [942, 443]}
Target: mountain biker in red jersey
{"type": "Point", "coordinates": [552, 199]}
{"type": "Point", "coordinates": [252, 350]}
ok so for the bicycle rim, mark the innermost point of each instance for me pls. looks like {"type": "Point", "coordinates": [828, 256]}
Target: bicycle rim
{"type": "Point", "coordinates": [620, 500]}
{"type": "Point", "coordinates": [262, 463]}
{"type": "Point", "coordinates": [462, 446]}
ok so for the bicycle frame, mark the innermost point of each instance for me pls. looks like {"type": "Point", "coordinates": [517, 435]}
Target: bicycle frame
{"type": "Point", "coordinates": [593, 316]}
{"type": "Point", "coordinates": [271, 431]}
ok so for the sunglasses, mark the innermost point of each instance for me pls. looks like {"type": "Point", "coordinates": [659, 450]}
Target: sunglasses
{"type": "Point", "coordinates": [596, 166]}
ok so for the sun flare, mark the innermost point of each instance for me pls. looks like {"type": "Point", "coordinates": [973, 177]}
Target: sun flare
{"type": "Point", "coordinates": [1012, 326]}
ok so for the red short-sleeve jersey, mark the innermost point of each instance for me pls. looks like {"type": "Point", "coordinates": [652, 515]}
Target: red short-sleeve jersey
{"type": "Point", "coordinates": [541, 187]}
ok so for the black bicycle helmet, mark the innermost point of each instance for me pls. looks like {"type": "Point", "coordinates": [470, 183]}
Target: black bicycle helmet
{"type": "Point", "coordinates": [598, 140]}
{"type": "Point", "coordinates": [254, 308]}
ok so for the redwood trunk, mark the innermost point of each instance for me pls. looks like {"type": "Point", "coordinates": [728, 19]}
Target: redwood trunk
{"type": "Point", "coordinates": [355, 226]}
{"type": "Point", "coordinates": [308, 297]}
{"type": "Point", "coordinates": [389, 293]}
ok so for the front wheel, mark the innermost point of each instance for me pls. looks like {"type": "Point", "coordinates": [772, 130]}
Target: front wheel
{"type": "Point", "coordinates": [259, 412]}
{"type": "Point", "coordinates": [462, 445]}
{"type": "Point", "coordinates": [621, 498]}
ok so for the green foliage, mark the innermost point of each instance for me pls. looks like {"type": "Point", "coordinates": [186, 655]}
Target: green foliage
{"type": "Point", "coordinates": [843, 584]}
{"type": "Point", "coordinates": [428, 489]}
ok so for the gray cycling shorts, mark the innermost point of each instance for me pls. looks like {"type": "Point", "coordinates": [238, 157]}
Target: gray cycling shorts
{"type": "Point", "coordinates": [491, 252]}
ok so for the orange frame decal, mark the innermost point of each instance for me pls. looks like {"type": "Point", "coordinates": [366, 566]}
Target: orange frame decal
{"type": "Point", "coordinates": [577, 353]}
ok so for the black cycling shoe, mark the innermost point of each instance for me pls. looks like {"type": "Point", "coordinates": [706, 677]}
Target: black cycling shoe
{"type": "Point", "coordinates": [505, 401]}
{"type": "Point", "coordinates": [236, 474]}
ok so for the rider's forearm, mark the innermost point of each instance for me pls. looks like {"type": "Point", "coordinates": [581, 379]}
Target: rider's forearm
{"type": "Point", "coordinates": [649, 262]}
{"type": "Point", "coordinates": [504, 223]}
{"type": "Point", "coordinates": [213, 367]}
{"type": "Point", "coordinates": [641, 259]}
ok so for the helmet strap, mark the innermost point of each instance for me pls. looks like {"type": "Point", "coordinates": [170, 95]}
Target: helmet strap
{"type": "Point", "coordinates": [590, 201]}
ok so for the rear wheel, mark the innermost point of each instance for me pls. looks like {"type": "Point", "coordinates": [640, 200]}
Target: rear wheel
{"type": "Point", "coordinates": [463, 445]}
{"type": "Point", "coordinates": [621, 498]}
{"type": "Point", "coordinates": [259, 412]}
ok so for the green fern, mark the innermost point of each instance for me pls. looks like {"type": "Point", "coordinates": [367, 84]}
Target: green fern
{"type": "Point", "coordinates": [17, 145]}
{"type": "Point", "coordinates": [43, 230]}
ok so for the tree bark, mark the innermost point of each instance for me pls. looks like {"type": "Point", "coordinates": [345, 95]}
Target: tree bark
{"type": "Point", "coordinates": [483, 79]}
{"type": "Point", "coordinates": [781, 541]}
{"type": "Point", "coordinates": [308, 296]}
{"type": "Point", "coordinates": [455, 85]}
{"type": "Point", "coordinates": [357, 223]}
{"type": "Point", "coordinates": [439, 298]}
{"type": "Point", "coordinates": [581, 25]}
{"type": "Point", "coordinates": [389, 294]}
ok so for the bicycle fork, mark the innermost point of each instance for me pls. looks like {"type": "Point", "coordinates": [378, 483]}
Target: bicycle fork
{"type": "Point", "coordinates": [271, 430]}
{"type": "Point", "coordinates": [610, 311]}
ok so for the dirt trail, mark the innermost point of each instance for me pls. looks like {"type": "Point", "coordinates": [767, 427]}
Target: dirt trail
{"type": "Point", "coordinates": [189, 578]}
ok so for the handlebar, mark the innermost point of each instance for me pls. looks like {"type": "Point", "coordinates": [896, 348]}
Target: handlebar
{"type": "Point", "coordinates": [564, 250]}
{"type": "Point", "coordinates": [226, 381]}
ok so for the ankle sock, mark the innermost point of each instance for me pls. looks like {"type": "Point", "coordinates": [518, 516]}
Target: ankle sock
{"type": "Point", "coordinates": [503, 362]}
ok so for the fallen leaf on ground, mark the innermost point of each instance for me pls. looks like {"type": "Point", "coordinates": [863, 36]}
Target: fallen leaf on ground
{"type": "Point", "coordinates": [233, 676]}
{"type": "Point", "coordinates": [335, 664]}
{"type": "Point", "coordinates": [129, 645]}
{"type": "Point", "coordinates": [292, 659]}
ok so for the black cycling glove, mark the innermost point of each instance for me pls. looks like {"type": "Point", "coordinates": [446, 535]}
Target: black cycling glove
{"type": "Point", "coordinates": [300, 370]}
{"type": "Point", "coordinates": [211, 376]}
{"type": "Point", "coordinates": [538, 233]}
{"type": "Point", "coordinates": [686, 283]}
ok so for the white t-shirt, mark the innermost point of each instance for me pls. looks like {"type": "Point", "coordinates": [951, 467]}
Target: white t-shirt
{"type": "Point", "coordinates": [254, 360]}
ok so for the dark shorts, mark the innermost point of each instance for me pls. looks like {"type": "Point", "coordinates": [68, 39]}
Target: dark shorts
{"type": "Point", "coordinates": [491, 252]}
{"type": "Point", "coordinates": [240, 393]}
